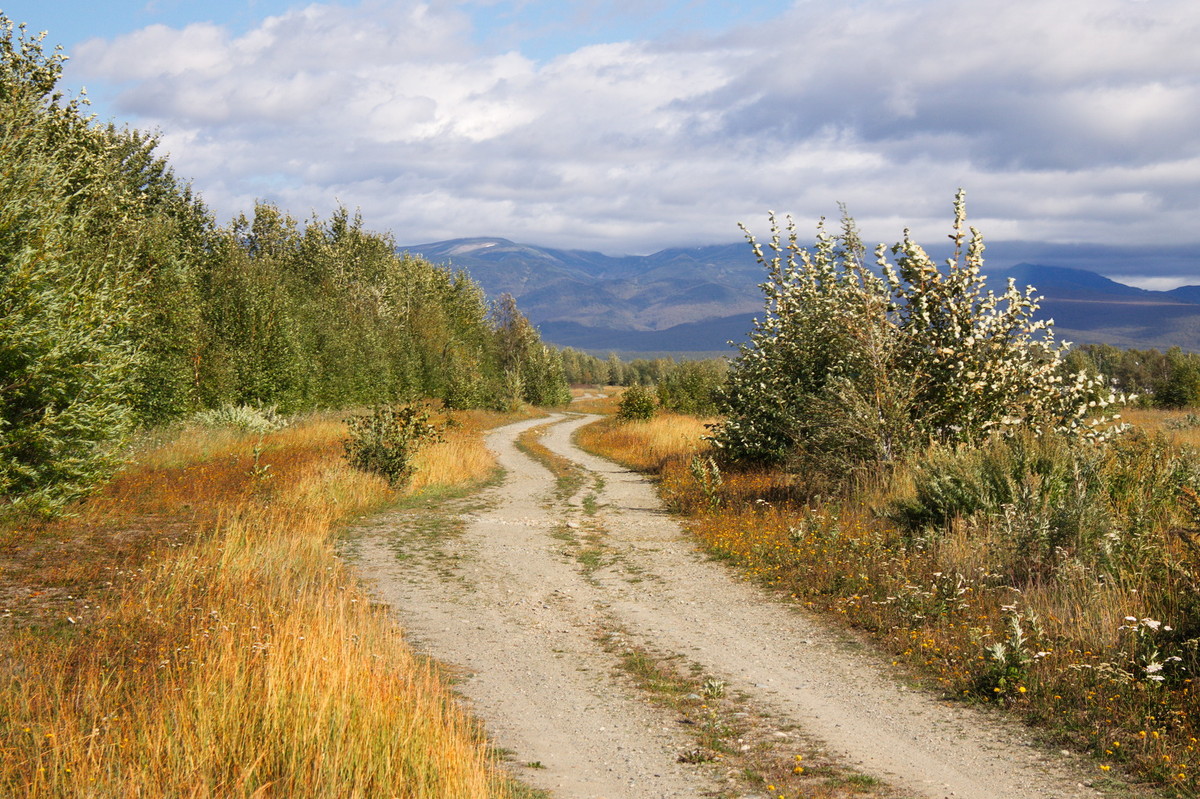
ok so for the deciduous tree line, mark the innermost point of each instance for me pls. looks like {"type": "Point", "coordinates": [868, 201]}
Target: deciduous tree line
{"type": "Point", "coordinates": [123, 303]}
{"type": "Point", "coordinates": [1168, 379]}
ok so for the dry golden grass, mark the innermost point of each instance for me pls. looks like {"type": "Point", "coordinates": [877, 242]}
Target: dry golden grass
{"type": "Point", "coordinates": [1182, 427]}
{"type": "Point", "coordinates": [461, 457]}
{"type": "Point", "coordinates": [224, 650]}
{"type": "Point", "coordinates": [647, 445]}
{"type": "Point", "coordinates": [600, 399]}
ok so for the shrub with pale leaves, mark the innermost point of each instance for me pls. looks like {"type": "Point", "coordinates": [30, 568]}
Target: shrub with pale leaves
{"type": "Point", "coordinates": [246, 418]}
{"type": "Point", "coordinates": [850, 365]}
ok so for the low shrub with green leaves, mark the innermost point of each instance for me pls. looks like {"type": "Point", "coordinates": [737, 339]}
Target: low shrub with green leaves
{"type": "Point", "coordinates": [692, 386]}
{"type": "Point", "coordinates": [637, 403]}
{"type": "Point", "coordinates": [386, 440]}
{"type": "Point", "coordinates": [1052, 500]}
{"type": "Point", "coordinates": [246, 418]}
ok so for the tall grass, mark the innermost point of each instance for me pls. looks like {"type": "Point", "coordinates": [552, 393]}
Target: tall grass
{"type": "Point", "coordinates": [1062, 583]}
{"type": "Point", "coordinates": [647, 444]}
{"type": "Point", "coordinates": [460, 457]}
{"type": "Point", "coordinates": [234, 655]}
{"type": "Point", "coordinates": [598, 399]}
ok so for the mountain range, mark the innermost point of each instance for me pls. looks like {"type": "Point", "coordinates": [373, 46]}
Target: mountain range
{"type": "Point", "coordinates": [697, 299]}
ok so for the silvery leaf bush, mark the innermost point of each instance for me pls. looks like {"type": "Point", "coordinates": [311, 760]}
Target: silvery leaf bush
{"type": "Point", "coordinates": [851, 364]}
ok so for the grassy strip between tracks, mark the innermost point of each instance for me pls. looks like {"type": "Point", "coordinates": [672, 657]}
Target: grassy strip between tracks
{"type": "Point", "coordinates": [745, 747]}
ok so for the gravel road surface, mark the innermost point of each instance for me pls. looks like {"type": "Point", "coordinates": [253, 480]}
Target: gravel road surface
{"type": "Point", "coordinates": [495, 586]}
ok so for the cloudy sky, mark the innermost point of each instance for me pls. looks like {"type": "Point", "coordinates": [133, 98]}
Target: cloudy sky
{"type": "Point", "coordinates": [628, 127]}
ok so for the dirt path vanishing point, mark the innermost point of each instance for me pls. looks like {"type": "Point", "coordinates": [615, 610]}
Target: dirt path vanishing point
{"type": "Point", "coordinates": [494, 586]}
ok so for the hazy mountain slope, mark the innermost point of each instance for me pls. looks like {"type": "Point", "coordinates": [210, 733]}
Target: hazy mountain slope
{"type": "Point", "coordinates": [1088, 308]}
{"type": "Point", "coordinates": [696, 299]}
{"type": "Point", "coordinates": [709, 336]}
{"type": "Point", "coordinates": [650, 292]}
{"type": "Point", "coordinates": [1185, 294]}
{"type": "Point", "coordinates": [1062, 283]}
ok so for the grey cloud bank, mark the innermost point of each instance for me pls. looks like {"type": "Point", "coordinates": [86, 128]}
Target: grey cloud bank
{"type": "Point", "coordinates": [1067, 122]}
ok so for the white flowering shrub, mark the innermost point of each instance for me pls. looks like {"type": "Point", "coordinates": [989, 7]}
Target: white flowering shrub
{"type": "Point", "coordinates": [246, 418]}
{"type": "Point", "coordinates": [849, 366]}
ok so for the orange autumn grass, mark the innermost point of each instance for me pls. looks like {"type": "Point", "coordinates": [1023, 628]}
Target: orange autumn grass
{"type": "Point", "coordinates": [596, 399]}
{"type": "Point", "coordinates": [231, 653]}
{"type": "Point", "coordinates": [647, 445]}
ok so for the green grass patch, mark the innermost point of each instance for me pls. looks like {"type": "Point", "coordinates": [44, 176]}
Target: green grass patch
{"type": "Point", "coordinates": [569, 477]}
{"type": "Point", "coordinates": [730, 734]}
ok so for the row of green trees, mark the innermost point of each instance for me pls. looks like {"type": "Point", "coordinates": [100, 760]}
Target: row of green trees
{"type": "Point", "coordinates": [123, 304]}
{"type": "Point", "coordinates": [327, 315]}
{"type": "Point", "coordinates": [586, 369]}
{"type": "Point", "coordinates": [1168, 379]}
{"type": "Point", "coordinates": [688, 386]}
{"type": "Point", "coordinates": [85, 230]}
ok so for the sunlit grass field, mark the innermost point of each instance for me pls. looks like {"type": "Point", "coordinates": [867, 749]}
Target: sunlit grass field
{"type": "Point", "coordinates": [190, 632]}
{"type": "Point", "coordinates": [596, 399]}
{"type": "Point", "coordinates": [1059, 649]}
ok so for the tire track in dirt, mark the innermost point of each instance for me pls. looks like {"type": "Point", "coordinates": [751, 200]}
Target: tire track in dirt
{"type": "Point", "coordinates": [499, 593]}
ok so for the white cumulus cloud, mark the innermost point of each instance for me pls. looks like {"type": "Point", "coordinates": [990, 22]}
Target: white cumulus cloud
{"type": "Point", "coordinates": [1066, 120]}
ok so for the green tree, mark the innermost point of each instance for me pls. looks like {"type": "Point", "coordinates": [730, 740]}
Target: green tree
{"type": "Point", "coordinates": [171, 238]}
{"type": "Point", "coordinates": [823, 350]}
{"type": "Point", "coordinates": [580, 367]}
{"type": "Point", "coordinates": [66, 304]}
{"type": "Point", "coordinates": [533, 372]}
{"type": "Point", "coordinates": [255, 353]}
{"type": "Point", "coordinates": [692, 386]}
{"type": "Point", "coordinates": [1181, 386]}
{"type": "Point", "coordinates": [618, 372]}
{"type": "Point", "coordinates": [637, 404]}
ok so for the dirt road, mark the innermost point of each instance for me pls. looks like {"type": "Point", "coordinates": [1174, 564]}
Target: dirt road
{"type": "Point", "coordinates": [525, 590]}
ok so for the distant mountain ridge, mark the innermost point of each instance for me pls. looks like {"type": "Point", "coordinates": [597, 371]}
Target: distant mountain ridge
{"type": "Point", "coordinates": [697, 299]}
{"type": "Point", "coordinates": [636, 292]}
{"type": "Point", "coordinates": [1088, 308]}
{"type": "Point", "coordinates": [1068, 283]}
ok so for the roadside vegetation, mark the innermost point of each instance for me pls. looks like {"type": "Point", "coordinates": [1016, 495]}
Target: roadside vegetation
{"type": "Point", "coordinates": [173, 618]}
{"type": "Point", "coordinates": [190, 631]}
{"type": "Point", "coordinates": [920, 460]}
{"type": "Point", "coordinates": [125, 304]}
{"type": "Point", "coordinates": [894, 446]}
{"type": "Point", "coordinates": [684, 385]}
{"type": "Point", "coordinates": [1168, 379]}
